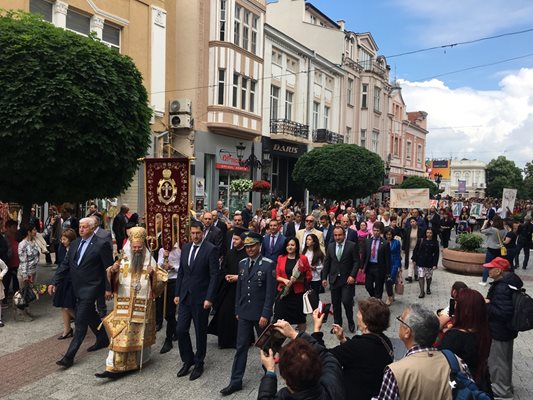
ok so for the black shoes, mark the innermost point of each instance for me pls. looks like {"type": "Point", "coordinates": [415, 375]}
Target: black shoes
{"type": "Point", "coordinates": [110, 375]}
{"type": "Point", "coordinates": [421, 295]}
{"type": "Point", "coordinates": [230, 389]}
{"type": "Point", "coordinates": [409, 279]}
{"type": "Point", "coordinates": [158, 327]}
{"type": "Point", "coordinates": [184, 370]}
{"type": "Point", "coordinates": [167, 346]}
{"type": "Point", "coordinates": [98, 346]}
{"type": "Point", "coordinates": [62, 337]}
{"type": "Point", "coordinates": [196, 372]}
{"type": "Point", "coordinates": [65, 362]}
{"type": "Point", "coordinates": [351, 326]}
{"type": "Point", "coordinates": [428, 291]}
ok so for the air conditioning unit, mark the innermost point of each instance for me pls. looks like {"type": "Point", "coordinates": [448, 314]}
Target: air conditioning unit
{"type": "Point", "coordinates": [180, 106]}
{"type": "Point", "coordinates": [180, 121]}
{"type": "Point", "coordinates": [392, 181]}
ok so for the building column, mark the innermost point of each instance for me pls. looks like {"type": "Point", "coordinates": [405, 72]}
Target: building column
{"type": "Point", "coordinates": [97, 26]}
{"type": "Point", "coordinates": [59, 14]}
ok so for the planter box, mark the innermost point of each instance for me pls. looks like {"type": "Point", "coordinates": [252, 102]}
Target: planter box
{"type": "Point", "coordinates": [462, 262]}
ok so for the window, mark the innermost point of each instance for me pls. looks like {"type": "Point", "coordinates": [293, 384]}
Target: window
{"type": "Point", "coordinates": [221, 82]}
{"type": "Point", "coordinates": [419, 153]}
{"type": "Point", "coordinates": [245, 29]}
{"type": "Point", "coordinates": [315, 114]}
{"type": "Point", "coordinates": [235, 89]}
{"type": "Point", "coordinates": [252, 95]}
{"type": "Point", "coordinates": [396, 146]}
{"type": "Point", "coordinates": [43, 8]}
{"type": "Point", "coordinates": [111, 36]}
{"type": "Point", "coordinates": [350, 91]}
{"type": "Point", "coordinates": [408, 150]}
{"type": "Point", "coordinates": [326, 117]}
{"type": "Point", "coordinates": [375, 141]}
{"type": "Point", "coordinates": [222, 34]}
{"type": "Point", "coordinates": [255, 23]}
{"type": "Point", "coordinates": [364, 95]}
{"type": "Point", "coordinates": [274, 102]}
{"type": "Point", "coordinates": [365, 59]}
{"type": "Point", "coordinates": [244, 88]}
{"type": "Point", "coordinates": [362, 139]}
{"type": "Point", "coordinates": [377, 99]}
{"type": "Point", "coordinates": [312, 19]}
{"type": "Point", "coordinates": [288, 105]}
{"type": "Point", "coordinates": [78, 23]}
{"type": "Point", "coordinates": [237, 26]}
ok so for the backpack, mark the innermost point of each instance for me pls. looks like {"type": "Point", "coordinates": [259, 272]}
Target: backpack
{"type": "Point", "coordinates": [463, 388]}
{"type": "Point", "coordinates": [522, 311]}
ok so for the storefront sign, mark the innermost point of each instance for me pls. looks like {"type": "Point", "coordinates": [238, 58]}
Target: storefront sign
{"type": "Point", "coordinates": [287, 149]}
{"type": "Point", "coordinates": [226, 158]}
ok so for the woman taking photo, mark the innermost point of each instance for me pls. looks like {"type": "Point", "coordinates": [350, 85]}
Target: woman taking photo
{"type": "Point", "coordinates": [293, 274]}
{"type": "Point", "coordinates": [29, 258]}
{"type": "Point", "coordinates": [64, 296]}
{"type": "Point", "coordinates": [315, 257]}
{"type": "Point", "coordinates": [426, 258]}
{"type": "Point", "coordinates": [495, 233]}
{"type": "Point", "coordinates": [364, 357]}
{"type": "Point", "coordinates": [396, 262]}
{"type": "Point", "coordinates": [469, 338]}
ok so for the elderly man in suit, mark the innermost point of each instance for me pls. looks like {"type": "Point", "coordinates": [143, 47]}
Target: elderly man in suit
{"type": "Point", "coordinates": [273, 242]}
{"type": "Point", "coordinates": [86, 262]}
{"type": "Point", "coordinates": [196, 286]}
{"type": "Point", "coordinates": [256, 290]}
{"type": "Point", "coordinates": [211, 232]}
{"type": "Point", "coordinates": [301, 235]}
{"type": "Point", "coordinates": [340, 268]}
{"type": "Point", "coordinates": [351, 235]}
{"type": "Point", "coordinates": [377, 261]}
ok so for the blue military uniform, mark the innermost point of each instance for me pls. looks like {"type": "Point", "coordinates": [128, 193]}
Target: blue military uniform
{"type": "Point", "coordinates": [256, 291]}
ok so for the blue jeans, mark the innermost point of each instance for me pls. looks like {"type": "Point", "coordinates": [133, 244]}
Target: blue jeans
{"type": "Point", "coordinates": [490, 255]}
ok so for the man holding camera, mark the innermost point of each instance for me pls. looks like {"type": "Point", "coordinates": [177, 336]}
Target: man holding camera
{"type": "Point", "coordinates": [256, 289]}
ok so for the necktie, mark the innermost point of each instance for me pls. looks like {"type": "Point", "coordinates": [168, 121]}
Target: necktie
{"type": "Point", "coordinates": [374, 247]}
{"type": "Point", "coordinates": [251, 265]}
{"type": "Point", "coordinates": [193, 254]}
{"type": "Point", "coordinates": [272, 242]}
{"type": "Point", "coordinates": [339, 252]}
{"type": "Point", "coordinates": [80, 249]}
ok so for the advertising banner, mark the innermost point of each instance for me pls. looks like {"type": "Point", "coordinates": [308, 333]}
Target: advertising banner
{"type": "Point", "coordinates": [409, 198]}
{"type": "Point", "coordinates": [442, 167]}
{"type": "Point", "coordinates": [461, 186]}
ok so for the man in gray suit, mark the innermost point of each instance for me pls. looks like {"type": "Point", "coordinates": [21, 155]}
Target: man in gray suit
{"type": "Point", "coordinates": [340, 267]}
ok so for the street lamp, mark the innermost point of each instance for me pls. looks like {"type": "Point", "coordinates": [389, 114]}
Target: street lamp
{"type": "Point", "coordinates": [438, 180]}
{"type": "Point", "coordinates": [252, 161]}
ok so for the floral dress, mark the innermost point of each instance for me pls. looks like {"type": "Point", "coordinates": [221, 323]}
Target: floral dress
{"type": "Point", "coordinates": [29, 257]}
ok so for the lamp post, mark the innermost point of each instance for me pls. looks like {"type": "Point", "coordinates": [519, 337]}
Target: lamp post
{"type": "Point", "coordinates": [251, 162]}
{"type": "Point", "coordinates": [438, 180]}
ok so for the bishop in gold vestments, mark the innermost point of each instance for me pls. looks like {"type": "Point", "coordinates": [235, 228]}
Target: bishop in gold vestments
{"type": "Point", "coordinates": [136, 282]}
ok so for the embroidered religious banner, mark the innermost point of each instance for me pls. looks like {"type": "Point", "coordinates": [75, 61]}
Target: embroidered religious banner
{"type": "Point", "coordinates": [167, 200]}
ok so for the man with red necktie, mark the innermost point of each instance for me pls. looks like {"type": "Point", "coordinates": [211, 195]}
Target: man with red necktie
{"type": "Point", "coordinates": [377, 261]}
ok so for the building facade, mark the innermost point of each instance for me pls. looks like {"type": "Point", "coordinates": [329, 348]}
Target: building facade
{"type": "Point", "coordinates": [472, 173]}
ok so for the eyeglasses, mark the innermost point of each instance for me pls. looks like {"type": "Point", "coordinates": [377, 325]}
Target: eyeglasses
{"type": "Point", "coordinates": [399, 318]}
{"type": "Point", "coordinates": [309, 220]}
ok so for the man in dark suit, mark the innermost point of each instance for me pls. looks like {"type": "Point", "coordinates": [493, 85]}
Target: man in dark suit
{"type": "Point", "coordinates": [340, 268]}
{"type": "Point", "coordinates": [327, 229]}
{"type": "Point", "coordinates": [351, 235]}
{"type": "Point", "coordinates": [104, 235]}
{"type": "Point", "coordinates": [256, 290]}
{"type": "Point", "coordinates": [119, 226]}
{"type": "Point", "coordinates": [377, 261]}
{"type": "Point", "coordinates": [86, 262]}
{"type": "Point", "coordinates": [212, 233]}
{"type": "Point", "coordinates": [247, 214]}
{"type": "Point", "coordinates": [196, 287]}
{"type": "Point", "coordinates": [273, 242]}
{"type": "Point", "coordinates": [219, 223]}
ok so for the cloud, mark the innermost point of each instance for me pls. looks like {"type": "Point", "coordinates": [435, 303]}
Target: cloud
{"type": "Point", "coordinates": [460, 20]}
{"type": "Point", "coordinates": [481, 124]}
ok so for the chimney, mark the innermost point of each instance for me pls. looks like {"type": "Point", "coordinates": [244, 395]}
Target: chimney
{"type": "Point", "coordinates": [341, 23]}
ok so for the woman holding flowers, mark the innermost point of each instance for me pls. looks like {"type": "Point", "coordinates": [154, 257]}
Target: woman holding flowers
{"type": "Point", "coordinates": [294, 275]}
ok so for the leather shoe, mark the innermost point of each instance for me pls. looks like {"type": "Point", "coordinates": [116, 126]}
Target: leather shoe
{"type": "Point", "coordinates": [196, 372]}
{"type": "Point", "coordinates": [409, 279]}
{"type": "Point", "coordinates": [167, 346]}
{"type": "Point", "coordinates": [65, 362]}
{"type": "Point", "coordinates": [158, 327]}
{"type": "Point", "coordinates": [184, 370]}
{"type": "Point", "coordinates": [351, 326]}
{"type": "Point", "coordinates": [110, 375]}
{"type": "Point", "coordinates": [230, 389]}
{"type": "Point", "coordinates": [98, 346]}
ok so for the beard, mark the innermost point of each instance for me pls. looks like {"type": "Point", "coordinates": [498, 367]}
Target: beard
{"type": "Point", "coordinates": [137, 260]}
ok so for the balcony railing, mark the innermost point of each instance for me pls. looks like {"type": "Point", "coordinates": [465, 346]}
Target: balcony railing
{"type": "Point", "coordinates": [287, 127]}
{"type": "Point", "coordinates": [325, 136]}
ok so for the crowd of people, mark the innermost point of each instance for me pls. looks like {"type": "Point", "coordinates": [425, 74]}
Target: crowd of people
{"type": "Point", "coordinates": [255, 273]}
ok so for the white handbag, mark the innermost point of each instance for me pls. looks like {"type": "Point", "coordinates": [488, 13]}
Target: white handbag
{"type": "Point", "coordinates": [308, 309]}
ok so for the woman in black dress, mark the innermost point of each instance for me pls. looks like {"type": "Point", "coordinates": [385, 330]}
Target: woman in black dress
{"type": "Point", "coordinates": [224, 323]}
{"type": "Point", "coordinates": [426, 258]}
{"type": "Point", "coordinates": [294, 275]}
{"type": "Point", "coordinates": [64, 295]}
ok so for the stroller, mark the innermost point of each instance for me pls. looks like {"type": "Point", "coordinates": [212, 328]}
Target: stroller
{"type": "Point", "coordinates": [462, 228]}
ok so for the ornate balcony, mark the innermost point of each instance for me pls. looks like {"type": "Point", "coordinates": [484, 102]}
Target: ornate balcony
{"type": "Point", "coordinates": [284, 129]}
{"type": "Point", "coordinates": [323, 136]}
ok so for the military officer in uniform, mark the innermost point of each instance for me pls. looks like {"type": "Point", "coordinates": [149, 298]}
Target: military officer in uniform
{"type": "Point", "coordinates": [256, 290]}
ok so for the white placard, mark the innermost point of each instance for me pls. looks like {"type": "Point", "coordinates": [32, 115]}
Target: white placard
{"type": "Point", "coordinates": [409, 198]}
{"type": "Point", "coordinates": [508, 199]}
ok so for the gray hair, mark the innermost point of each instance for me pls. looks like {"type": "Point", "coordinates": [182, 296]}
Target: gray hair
{"type": "Point", "coordinates": [424, 324]}
{"type": "Point", "coordinates": [89, 221]}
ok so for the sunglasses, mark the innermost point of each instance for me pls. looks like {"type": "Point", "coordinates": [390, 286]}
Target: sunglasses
{"type": "Point", "coordinates": [399, 318]}
{"type": "Point", "coordinates": [309, 220]}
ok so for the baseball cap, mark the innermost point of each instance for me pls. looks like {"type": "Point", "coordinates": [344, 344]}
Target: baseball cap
{"type": "Point", "coordinates": [498, 262]}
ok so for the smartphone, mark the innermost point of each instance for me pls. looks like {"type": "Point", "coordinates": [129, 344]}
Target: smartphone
{"type": "Point", "coordinates": [451, 310]}
{"type": "Point", "coordinates": [270, 339]}
{"type": "Point", "coordinates": [326, 307]}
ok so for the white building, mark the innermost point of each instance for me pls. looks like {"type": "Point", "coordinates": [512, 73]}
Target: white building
{"type": "Point", "coordinates": [471, 171]}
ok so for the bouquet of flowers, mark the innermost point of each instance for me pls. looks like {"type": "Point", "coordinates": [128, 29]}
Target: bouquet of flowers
{"type": "Point", "coordinates": [296, 274]}
{"type": "Point", "coordinates": [261, 186]}
{"type": "Point", "coordinates": [241, 185]}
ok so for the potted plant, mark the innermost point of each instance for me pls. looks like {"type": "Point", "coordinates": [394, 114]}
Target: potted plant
{"type": "Point", "coordinates": [468, 258]}
{"type": "Point", "coordinates": [261, 186]}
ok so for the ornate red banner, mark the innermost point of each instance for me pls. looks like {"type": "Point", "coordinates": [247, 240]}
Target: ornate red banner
{"type": "Point", "coordinates": [167, 199]}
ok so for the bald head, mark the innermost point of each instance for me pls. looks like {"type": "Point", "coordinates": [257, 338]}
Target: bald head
{"type": "Point", "coordinates": [207, 219]}
{"type": "Point", "coordinates": [345, 221]}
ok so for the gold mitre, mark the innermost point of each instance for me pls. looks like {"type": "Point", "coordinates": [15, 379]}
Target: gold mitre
{"type": "Point", "coordinates": [167, 173]}
{"type": "Point", "coordinates": [137, 234]}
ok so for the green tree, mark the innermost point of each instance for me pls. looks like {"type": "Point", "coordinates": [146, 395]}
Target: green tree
{"type": "Point", "coordinates": [417, 182]}
{"type": "Point", "coordinates": [340, 171]}
{"type": "Point", "coordinates": [74, 114]}
{"type": "Point", "coordinates": [528, 181]}
{"type": "Point", "coordinates": [503, 173]}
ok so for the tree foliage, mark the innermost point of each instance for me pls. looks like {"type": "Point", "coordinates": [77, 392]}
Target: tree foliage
{"type": "Point", "coordinates": [503, 173]}
{"type": "Point", "coordinates": [417, 182]}
{"type": "Point", "coordinates": [74, 115]}
{"type": "Point", "coordinates": [340, 171]}
{"type": "Point", "coordinates": [528, 181]}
